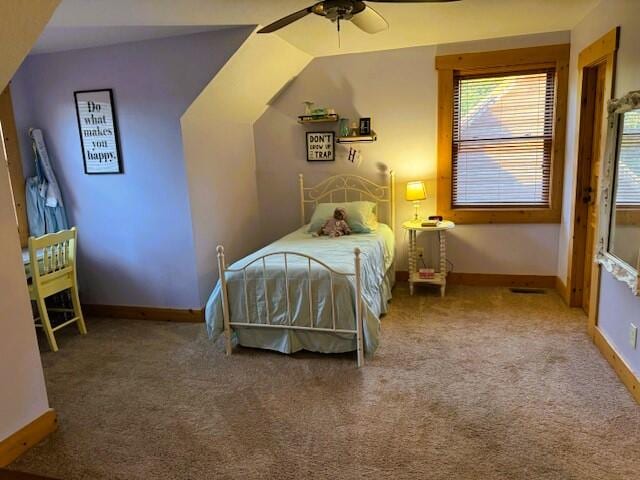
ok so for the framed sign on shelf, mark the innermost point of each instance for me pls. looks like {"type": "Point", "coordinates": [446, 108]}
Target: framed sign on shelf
{"type": "Point", "coordinates": [98, 130]}
{"type": "Point", "coordinates": [321, 146]}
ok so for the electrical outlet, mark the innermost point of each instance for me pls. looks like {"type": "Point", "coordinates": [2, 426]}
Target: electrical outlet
{"type": "Point", "coordinates": [420, 251]}
{"type": "Point", "coordinates": [633, 336]}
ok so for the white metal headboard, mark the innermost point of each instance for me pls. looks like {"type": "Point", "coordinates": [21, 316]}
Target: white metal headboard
{"type": "Point", "coordinates": [348, 188]}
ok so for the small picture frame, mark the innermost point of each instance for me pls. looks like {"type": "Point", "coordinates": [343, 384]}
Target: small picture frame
{"type": "Point", "coordinates": [321, 146]}
{"type": "Point", "coordinates": [98, 129]}
{"type": "Point", "coordinates": [365, 126]}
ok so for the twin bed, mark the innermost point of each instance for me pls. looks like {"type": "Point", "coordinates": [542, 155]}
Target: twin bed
{"type": "Point", "coordinates": [308, 292]}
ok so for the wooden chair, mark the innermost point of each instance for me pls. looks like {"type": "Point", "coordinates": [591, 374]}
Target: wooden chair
{"type": "Point", "coordinates": [53, 270]}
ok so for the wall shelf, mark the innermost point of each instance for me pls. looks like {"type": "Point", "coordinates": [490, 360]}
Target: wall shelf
{"type": "Point", "coordinates": [313, 119]}
{"type": "Point", "coordinates": [358, 138]}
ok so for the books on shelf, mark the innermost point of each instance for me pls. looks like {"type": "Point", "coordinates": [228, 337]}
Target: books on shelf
{"type": "Point", "coordinates": [358, 138]}
{"type": "Point", "coordinates": [330, 117]}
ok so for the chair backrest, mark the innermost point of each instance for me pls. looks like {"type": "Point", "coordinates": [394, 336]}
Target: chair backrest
{"type": "Point", "coordinates": [52, 254]}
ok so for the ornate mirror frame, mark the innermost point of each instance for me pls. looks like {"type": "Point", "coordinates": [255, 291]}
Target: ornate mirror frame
{"type": "Point", "coordinates": [618, 268]}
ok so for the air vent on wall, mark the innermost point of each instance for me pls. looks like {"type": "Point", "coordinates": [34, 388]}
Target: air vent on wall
{"type": "Point", "coordinates": [533, 291]}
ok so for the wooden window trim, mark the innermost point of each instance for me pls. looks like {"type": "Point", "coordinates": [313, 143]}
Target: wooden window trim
{"type": "Point", "coordinates": [14, 163]}
{"type": "Point", "coordinates": [502, 61]}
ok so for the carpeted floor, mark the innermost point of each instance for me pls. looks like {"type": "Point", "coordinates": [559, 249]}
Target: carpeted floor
{"type": "Point", "coordinates": [483, 384]}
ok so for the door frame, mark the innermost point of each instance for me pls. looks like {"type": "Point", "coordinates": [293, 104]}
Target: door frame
{"type": "Point", "coordinates": [14, 162]}
{"type": "Point", "coordinates": [601, 52]}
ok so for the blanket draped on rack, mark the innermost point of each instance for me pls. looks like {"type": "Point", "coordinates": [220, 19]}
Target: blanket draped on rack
{"type": "Point", "coordinates": [45, 209]}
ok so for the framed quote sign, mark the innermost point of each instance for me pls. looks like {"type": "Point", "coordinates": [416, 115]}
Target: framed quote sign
{"type": "Point", "coordinates": [98, 131]}
{"type": "Point", "coordinates": [321, 146]}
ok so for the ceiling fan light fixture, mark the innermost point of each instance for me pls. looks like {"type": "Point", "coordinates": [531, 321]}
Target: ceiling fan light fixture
{"type": "Point", "coordinates": [370, 21]}
{"type": "Point", "coordinates": [335, 10]}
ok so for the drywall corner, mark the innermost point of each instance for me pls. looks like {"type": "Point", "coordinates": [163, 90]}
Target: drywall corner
{"type": "Point", "coordinates": [24, 396]}
{"type": "Point", "coordinates": [219, 150]}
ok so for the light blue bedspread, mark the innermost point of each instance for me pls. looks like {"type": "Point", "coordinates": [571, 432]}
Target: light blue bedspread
{"type": "Point", "coordinates": [376, 258]}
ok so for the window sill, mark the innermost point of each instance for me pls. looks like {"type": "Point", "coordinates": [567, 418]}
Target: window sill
{"type": "Point", "coordinates": [463, 216]}
{"type": "Point", "coordinates": [627, 216]}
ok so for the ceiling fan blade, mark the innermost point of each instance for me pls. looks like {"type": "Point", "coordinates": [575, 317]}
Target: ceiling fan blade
{"type": "Point", "coordinates": [283, 22]}
{"type": "Point", "coordinates": [369, 21]}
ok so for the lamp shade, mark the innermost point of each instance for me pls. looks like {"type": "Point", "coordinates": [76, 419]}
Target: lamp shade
{"type": "Point", "coordinates": [416, 191]}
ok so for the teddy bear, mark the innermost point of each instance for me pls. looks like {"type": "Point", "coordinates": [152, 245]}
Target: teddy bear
{"type": "Point", "coordinates": [337, 225]}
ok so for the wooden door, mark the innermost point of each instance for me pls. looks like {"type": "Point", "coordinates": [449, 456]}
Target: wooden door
{"type": "Point", "coordinates": [590, 186]}
{"type": "Point", "coordinates": [596, 69]}
{"type": "Point", "coordinates": [592, 103]}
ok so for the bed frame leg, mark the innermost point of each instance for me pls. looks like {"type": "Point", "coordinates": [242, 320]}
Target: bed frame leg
{"type": "Point", "coordinates": [359, 316]}
{"type": "Point", "coordinates": [225, 299]}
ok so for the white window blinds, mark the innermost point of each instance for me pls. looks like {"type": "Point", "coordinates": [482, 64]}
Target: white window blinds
{"type": "Point", "coordinates": [502, 140]}
{"type": "Point", "coordinates": [628, 177]}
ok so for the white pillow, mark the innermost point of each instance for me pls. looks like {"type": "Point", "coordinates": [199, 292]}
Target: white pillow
{"type": "Point", "coordinates": [361, 216]}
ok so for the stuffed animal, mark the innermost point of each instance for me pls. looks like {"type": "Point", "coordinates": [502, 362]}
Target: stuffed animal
{"type": "Point", "coordinates": [337, 225]}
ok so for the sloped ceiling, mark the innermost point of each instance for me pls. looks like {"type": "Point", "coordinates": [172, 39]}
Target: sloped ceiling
{"type": "Point", "coordinates": [20, 25]}
{"type": "Point", "coordinates": [60, 39]}
{"type": "Point", "coordinates": [410, 24]}
{"type": "Point", "coordinates": [219, 152]}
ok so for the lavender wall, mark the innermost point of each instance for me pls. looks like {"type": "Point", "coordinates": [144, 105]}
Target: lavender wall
{"type": "Point", "coordinates": [618, 306]}
{"type": "Point", "coordinates": [135, 232]}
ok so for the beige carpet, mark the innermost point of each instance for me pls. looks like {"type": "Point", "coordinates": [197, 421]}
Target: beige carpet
{"type": "Point", "coordinates": [483, 384]}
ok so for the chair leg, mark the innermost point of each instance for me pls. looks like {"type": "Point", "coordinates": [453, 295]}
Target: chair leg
{"type": "Point", "coordinates": [46, 324]}
{"type": "Point", "coordinates": [77, 310]}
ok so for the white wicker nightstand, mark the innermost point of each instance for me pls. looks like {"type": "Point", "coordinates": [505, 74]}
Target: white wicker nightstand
{"type": "Point", "coordinates": [440, 278]}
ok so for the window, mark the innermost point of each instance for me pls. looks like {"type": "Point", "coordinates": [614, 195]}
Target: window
{"type": "Point", "coordinates": [628, 178]}
{"type": "Point", "coordinates": [502, 132]}
{"type": "Point", "coordinates": [501, 135]}
{"type": "Point", "coordinates": [627, 186]}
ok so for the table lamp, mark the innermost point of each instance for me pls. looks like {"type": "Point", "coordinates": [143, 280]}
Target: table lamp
{"type": "Point", "coordinates": [416, 191]}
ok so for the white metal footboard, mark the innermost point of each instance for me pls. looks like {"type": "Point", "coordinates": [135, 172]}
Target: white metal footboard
{"type": "Point", "coordinates": [228, 322]}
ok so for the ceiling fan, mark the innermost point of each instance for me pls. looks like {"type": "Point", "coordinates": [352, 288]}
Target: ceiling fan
{"type": "Point", "coordinates": [358, 12]}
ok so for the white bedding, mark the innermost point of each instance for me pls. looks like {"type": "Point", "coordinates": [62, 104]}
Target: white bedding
{"type": "Point", "coordinates": [376, 259]}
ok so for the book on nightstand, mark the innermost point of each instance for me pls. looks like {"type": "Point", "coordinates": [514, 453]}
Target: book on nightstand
{"type": "Point", "coordinates": [432, 221]}
{"type": "Point", "coordinates": [429, 223]}
{"type": "Point", "coordinates": [426, 273]}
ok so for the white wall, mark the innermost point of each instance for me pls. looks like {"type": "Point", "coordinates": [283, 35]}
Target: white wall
{"type": "Point", "coordinates": [23, 396]}
{"type": "Point", "coordinates": [217, 133]}
{"type": "Point", "coordinates": [618, 307]}
{"type": "Point", "coordinates": [398, 89]}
